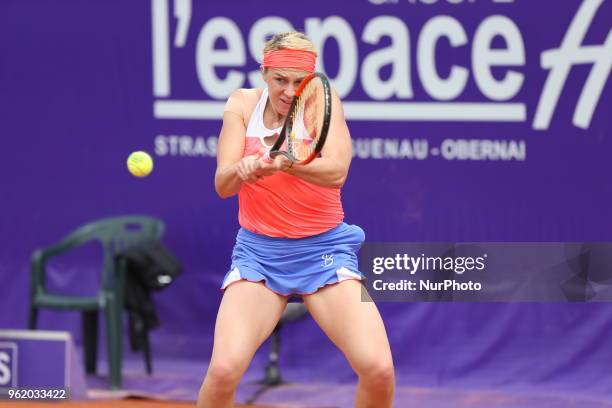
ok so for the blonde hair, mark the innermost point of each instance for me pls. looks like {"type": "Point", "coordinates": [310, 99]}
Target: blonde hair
{"type": "Point", "coordinates": [294, 40]}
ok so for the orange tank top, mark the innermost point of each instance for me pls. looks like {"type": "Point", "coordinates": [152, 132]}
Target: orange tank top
{"type": "Point", "coordinates": [281, 205]}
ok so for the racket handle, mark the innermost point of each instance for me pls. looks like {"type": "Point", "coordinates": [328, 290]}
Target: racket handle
{"type": "Point", "coordinates": [266, 157]}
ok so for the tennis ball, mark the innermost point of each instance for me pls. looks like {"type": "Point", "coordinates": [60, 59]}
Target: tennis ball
{"type": "Point", "coordinates": [140, 164]}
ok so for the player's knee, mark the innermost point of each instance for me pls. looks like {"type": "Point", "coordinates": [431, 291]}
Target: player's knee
{"type": "Point", "coordinates": [223, 377]}
{"type": "Point", "coordinates": [378, 373]}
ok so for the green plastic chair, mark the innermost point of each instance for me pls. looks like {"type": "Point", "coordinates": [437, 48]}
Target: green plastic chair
{"type": "Point", "coordinates": [115, 234]}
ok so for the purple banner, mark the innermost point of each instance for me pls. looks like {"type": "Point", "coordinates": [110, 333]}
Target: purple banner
{"type": "Point", "coordinates": [473, 120]}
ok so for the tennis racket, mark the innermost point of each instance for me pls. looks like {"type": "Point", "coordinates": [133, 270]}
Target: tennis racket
{"type": "Point", "coordinates": [305, 130]}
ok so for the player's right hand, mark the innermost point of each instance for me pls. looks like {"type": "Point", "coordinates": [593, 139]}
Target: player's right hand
{"type": "Point", "coordinates": [249, 168]}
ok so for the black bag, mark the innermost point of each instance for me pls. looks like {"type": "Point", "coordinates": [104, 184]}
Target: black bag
{"type": "Point", "coordinates": [149, 265]}
{"type": "Point", "coordinates": [155, 266]}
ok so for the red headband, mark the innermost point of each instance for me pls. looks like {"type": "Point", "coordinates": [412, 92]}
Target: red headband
{"type": "Point", "coordinates": [289, 58]}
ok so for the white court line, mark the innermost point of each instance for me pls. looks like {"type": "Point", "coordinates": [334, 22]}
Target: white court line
{"type": "Point", "coordinates": [370, 111]}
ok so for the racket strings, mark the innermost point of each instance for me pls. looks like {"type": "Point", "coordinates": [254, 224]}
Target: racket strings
{"type": "Point", "coordinates": [308, 111]}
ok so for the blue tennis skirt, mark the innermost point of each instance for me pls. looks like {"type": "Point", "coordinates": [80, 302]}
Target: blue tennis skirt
{"type": "Point", "coordinates": [296, 266]}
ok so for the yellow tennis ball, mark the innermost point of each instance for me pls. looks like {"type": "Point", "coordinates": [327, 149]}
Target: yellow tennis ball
{"type": "Point", "coordinates": [140, 164]}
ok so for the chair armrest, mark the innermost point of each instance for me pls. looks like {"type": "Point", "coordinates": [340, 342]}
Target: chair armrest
{"type": "Point", "coordinates": [37, 272]}
{"type": "Point", "coordinates": [39, 258]}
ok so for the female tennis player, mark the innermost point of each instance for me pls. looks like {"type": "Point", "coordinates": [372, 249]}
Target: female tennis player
{"type": "Point", "coordinates": [292, 239]}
